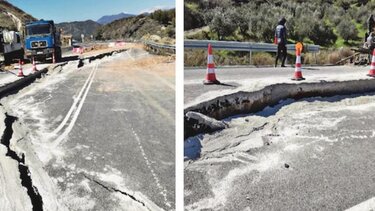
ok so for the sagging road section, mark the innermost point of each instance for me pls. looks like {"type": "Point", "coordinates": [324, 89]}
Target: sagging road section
{"type": "Point", "coordinates": [98, 137]}
{"type": "Point", "coordinates": [296, 154]}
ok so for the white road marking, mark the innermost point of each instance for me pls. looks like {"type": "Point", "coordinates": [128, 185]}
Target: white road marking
{"type": "Point", "coordinates": [127, 52]}
{"type": "Point", "coordinates": [74, 105]}
{"type": "Point", "coordinates": [368, 205]}
{"type": "Point", "coordinates": [163, 191]}
{"type": "Point", "coordinates": [77, 112]}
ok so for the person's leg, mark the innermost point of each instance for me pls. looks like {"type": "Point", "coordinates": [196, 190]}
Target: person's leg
{"type": "Point", "coordinates": [284, 55]}
{"type": "Point", "coordinates": [278, 54]}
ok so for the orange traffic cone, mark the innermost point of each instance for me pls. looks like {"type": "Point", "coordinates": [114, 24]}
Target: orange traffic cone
{"type": "Point", "coordinates": [20, 70]}
{"type": "Point", "coordinates": [34, 66]}
{"type": "Point", "coordinates": [210, 74]}
{"type": "Point", "coordinates": [297, 71]}
{"type": "Point", "coordinates": [371, 73]}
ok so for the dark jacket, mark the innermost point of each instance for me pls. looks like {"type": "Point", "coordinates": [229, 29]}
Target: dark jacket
{"type": "Point", "coordinates": [370, 23]}
{"type": "Point", "coordinates": [280, 32]}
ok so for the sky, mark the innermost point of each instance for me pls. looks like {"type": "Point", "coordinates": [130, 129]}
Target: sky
{"type": "Point", "coordinates": [79, 10]}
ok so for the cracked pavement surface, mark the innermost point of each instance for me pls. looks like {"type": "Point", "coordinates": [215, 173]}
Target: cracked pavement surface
{"type": "Point", "coordinates": [309, 154]}
{"type": "Point", "coordinates": [104, 134]}
{"type": "Point", "coordinates": [250, 79]}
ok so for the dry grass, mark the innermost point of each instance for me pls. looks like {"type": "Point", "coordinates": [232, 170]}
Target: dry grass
{"type": "Point", "coordinates": [194, 58]}
{"type": "Point", "coordinates": [327, 56]}
{"type": "Point", "coordinates": [263, 59]}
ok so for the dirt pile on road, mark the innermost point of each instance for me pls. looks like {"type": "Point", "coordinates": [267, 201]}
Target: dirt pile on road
{"type": "Point", "coordinates": [141, 70]}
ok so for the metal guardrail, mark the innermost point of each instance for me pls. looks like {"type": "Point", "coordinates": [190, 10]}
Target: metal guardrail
{"type": "Point", "coordinates": [159, 45]}
{"type": "Point", "coordinates": [159, 48]}
{"type": "Point", "coordinates": [245, 46]}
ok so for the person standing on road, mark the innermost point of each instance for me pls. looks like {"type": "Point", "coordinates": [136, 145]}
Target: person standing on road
{"type": "Point", "coordinates": [280, 35]}
{"type": "Point", "coordinates": [370, 26]}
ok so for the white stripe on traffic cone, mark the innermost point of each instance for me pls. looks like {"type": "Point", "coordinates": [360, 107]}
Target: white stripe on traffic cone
{"type": "Point", "coordinates": [210, 74]}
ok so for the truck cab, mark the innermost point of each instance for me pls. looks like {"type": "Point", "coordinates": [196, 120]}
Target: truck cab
{"type": "Point", "coordinates": [42, 41]}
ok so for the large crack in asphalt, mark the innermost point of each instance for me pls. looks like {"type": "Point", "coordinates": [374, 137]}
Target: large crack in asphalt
{"type": "Point", "coordinates": [254, 129]}
{"type": "Point", "coordinates": [112, 189]}
{"type": "Point", "coordinates": [25, 175]}
{"type": "Point", "coordinates": [247, 102]}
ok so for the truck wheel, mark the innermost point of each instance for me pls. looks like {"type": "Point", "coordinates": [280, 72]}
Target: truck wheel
{"type": "Point", "coordinates": [21, 54]}
{"type": "Point", "coordinates": [7, 59]}
{"type": "Point", "coordinates": [59, 55]}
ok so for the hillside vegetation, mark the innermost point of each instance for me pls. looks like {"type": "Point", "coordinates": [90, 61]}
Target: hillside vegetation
{"type": "Point", "coordinates": [11, 17]}
{"type": "Point", "coordinates": [329, 23]}
{"type": "Point", "coordinates": [158, 24]}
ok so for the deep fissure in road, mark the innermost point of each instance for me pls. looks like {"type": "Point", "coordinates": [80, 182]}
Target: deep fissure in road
{"type": "Point", "coordinates": [25, 176]}
{"type": "Point", "coordinates": [247, 102]}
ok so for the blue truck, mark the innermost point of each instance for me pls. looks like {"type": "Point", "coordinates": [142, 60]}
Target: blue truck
{"type": "Point", "coordinates": [42, 41]}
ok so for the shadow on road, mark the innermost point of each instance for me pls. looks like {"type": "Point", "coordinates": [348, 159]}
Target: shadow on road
{"type": "Point", "coordinates": [272, 110]}
{"type": "Point", "coordinates": [192, 148]}
{"type": "Point", "coordinates": [69, 58]}
{"type": "Point", "coordinates": [309, 68]}
{"type": "Point", "coordinates": [224, 84]}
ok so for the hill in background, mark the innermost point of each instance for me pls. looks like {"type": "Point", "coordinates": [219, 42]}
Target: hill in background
{"type": "Point", "coordinates": [77, 28]}
{"type": "Point", "coordinates": [110, 18]}
{"type": "Point", "coordinates": [157, 25]}
{"type": "Point", "coordinates": [11, 17]}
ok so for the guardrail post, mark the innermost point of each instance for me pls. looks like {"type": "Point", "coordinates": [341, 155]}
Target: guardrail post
{"type": "Point", "coordinates": [250, 57]}
{"type": "Point", "coordinates": [286, 59]}
{"type": "Point", "coordinates": [316, 61]}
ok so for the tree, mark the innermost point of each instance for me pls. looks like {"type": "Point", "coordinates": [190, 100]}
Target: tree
{"type": "Point", "coordinates": [241, 20]}
{"type": "Point", "coordinates": [192, 19]}
{"type": "Point", "coordinates": [362, 2]}
{"type": "Point", "coordinates": [163, 17]}
{"type": "Point", "coordinates": [220, 3]}
{"type": "Point", "coordinates": [221, 21]}
{"type": "Point", "coordinates": [345, 4]}
{"type": "Point", "coordinates": [347, 29]}
{"type": "Point", "coordinates": [323, 35]}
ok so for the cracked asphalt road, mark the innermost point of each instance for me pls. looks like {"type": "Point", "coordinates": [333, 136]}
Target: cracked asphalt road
{"type": "Point", "coordinates": [313, 154]}
{"type": "Point", "coordinates": [105, 133]}
{"type": "Point", "coordinates": [251, 78]}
